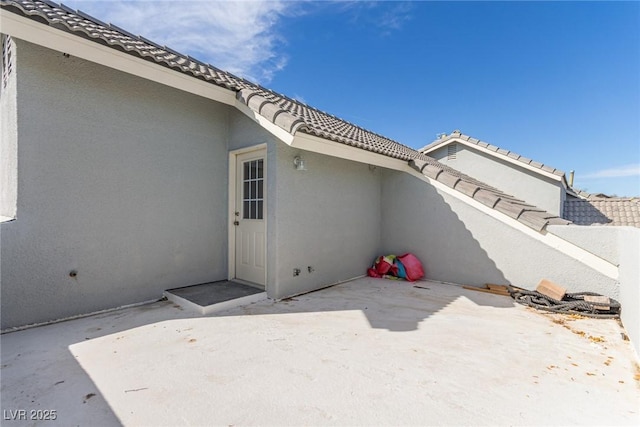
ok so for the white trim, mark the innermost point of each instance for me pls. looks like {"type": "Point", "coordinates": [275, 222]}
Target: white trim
{"type": "Point", "coordinates": [494, 154]}
{"type": "Point", "coordinates": [231, 189]}
{"type": "Point", "coordinates": [315, 144]}
{"type": "Point", "coordinates": [593, 261]}
{"type": "Point", "coordinates": [35, 32]}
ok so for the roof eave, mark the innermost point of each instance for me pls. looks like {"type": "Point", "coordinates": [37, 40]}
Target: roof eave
{"type": "Point", "coordinates": [23, 28]}
{"type": "Point", "coordinates": [317, 144]}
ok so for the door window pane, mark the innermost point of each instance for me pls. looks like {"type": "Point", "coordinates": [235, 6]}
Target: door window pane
{"type": "Point", "coordinates": [253, 189]}
{"type": "Point", "coordinates": [260, 202]}
{"type": "Point", "coordinates": [245, 209]}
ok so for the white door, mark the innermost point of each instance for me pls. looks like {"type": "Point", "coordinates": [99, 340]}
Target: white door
{"type": "Point", "coordinates": [249, 218]}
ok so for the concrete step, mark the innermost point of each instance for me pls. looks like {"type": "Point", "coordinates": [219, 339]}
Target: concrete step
{"type": "Point", "coordinates": [213, 297]}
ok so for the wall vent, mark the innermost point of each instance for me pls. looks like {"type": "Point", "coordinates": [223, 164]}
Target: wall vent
{"type": "Point", "coordinates": [452, 150]}
{"type": "Point", "coordinates": [7, 60]}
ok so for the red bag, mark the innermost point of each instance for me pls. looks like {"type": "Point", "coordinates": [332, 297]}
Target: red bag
{"type": "Point", "coordinates": [412, 266]}
{"type": "Point", "coordinates": [385, 265]}
{"type": "Point", "coordinates": [373, 273]}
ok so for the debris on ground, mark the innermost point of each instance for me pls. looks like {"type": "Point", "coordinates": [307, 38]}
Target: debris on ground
{"type": "Point", "coordinates": [551, 290]}
{"type": "Point", "coordinates": [406, 266]}
{"type": "Point", "coordinates": [587, 304]}
{"type": "Point", "coordinates": [578, 305]}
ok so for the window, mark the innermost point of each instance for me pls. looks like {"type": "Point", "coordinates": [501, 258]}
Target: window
{"type": "Point", "coordinates": [253, 189]}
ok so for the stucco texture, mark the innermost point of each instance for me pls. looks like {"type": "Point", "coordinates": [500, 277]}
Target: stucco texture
{"type": "Point", "coordinates": [327, 217]}
{"type": "Point", "coordinates": [599, 240]}
{"type": "Point", "coordinates": [458, 243]}
{"type": "Point", "coordinates": [120, 179]}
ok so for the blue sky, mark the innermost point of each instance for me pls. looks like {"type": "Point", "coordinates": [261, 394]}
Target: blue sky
{"type": "Point", "coordinates": [558, 82]}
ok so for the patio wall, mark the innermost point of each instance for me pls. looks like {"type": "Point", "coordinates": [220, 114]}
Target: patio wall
{"type": "Point", "coordinates": [620, 246]}
{"type": "Point", "coordinates": [458, 243]}
{"type": "Point", "coordinates": [600, 240]}
{"type": "Point", "coordinates": [120, 179]}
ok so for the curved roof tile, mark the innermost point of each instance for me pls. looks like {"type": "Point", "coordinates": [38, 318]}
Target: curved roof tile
{"type": "Point", "coordinates": [604, 211]}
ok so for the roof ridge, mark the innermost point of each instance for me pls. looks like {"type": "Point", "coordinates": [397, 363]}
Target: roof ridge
{"type": "Point", "coordinates": [456, 134]}
{"type": "Point", "coordinates": [333, 116]}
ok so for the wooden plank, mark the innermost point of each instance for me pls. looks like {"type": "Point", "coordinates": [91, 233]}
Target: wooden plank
{"type": "Point", "coordinates": [489, 291]}
{"type": "Point", "coordinates": [497, 287]}
{"type": "Point", "coordinates": [550, 289]}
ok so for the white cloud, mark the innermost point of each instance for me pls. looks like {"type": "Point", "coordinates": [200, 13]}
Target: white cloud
{"type": "Point", "coordinates": [616, 172]}
{"type": "Point", "coordinates": [241, 37]}
{"type": "Point", "coordinates": [244, 37]}
{"type": "Point", "coordinates": [395, 17]}
{"type": "Point", "coordinates": [386, 16]}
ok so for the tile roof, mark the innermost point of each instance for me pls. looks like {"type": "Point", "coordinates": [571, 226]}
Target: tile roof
{"type": "Point", "coordinates": [527, 214]}
{"type": "Point", "coordinates": [456, 134]}
{"type": "Point", "coordinates": [603, 211]}
{"type": "Point", "coordinates": [301, 117]}
{"type": "Point", "coordinates": [290, 115]}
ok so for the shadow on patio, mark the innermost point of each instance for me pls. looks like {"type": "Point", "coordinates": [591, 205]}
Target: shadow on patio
{"type": "Point", "coordinates": [370, 351]}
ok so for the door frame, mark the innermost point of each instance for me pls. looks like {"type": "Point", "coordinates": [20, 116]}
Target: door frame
{"type": "Point", "coordinates": [233, 160]}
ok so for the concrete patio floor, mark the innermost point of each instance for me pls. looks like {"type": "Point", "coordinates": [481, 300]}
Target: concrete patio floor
{"type": "Point", "coordinates": [366, 352]}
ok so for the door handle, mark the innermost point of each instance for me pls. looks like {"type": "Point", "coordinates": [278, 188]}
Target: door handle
{"type": "Point", "coordinates": [236, 222]}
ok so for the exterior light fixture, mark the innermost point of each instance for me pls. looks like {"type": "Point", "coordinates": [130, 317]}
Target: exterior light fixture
{"type": "Point", "coordinates": [299, 163]}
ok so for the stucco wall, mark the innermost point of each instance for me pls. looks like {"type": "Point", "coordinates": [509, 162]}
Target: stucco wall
{"type": "Point", "coordinates": [8, 142]}
{"type": "Point", "coordinates": [121, 179]}
{"type": "Point", "coordinates": [620, 246]}
{"type": "Point", "coordinates": [629, 277]}
{"type": "Point", "coordinates": [599, 240]}
{"type": "Point", "coordinates": [327, 217]}
{"type": "Point", "coordinates": [458, 243]}
{"type": "Point", "coordinates": [529, 186]}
